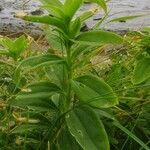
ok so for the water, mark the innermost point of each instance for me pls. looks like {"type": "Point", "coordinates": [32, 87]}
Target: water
{"type": "Point", "coordinates": [118, 8]}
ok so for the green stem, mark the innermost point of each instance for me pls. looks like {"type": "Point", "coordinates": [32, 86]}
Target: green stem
{"type": "Point", "coordinates": [69, 78]}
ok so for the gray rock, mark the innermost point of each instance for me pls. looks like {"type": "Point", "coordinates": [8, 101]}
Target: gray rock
{"type": "Point", "coordinates": [118, 8]}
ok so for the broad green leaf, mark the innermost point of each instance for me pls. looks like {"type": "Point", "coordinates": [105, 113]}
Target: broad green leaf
{"type": "Point", "coordinates": [141, 70]}
{"type": "Point", "coordinates": [45, 20]}
{"type": "Point", "coordinates": [101, 3]}
{"type": "Point", "coordinates": [71, 6]}
{"type": "Point", "coordinates": [37, 104]}
{"type": "Point", "coordinates": [125, 18]}
{"type": "Point", "coordinates": [40, 90]}
{"type": "Point", "coordinates": [41, 60]}
{"type": "Point", "coordinates": [36, 95]}
{"type": "Point", "coordinates": [97, 37]}
{"type": "Point", "coordinates": [94, 91]}
{"type": "Point", "coordinates": [87, 129]}
{"type": "Point", "coordinates": [45, 86]}
{"type": "Point", "coordinates": [67, 141]}
{"type": "Point", "coordinates": [74, 27]}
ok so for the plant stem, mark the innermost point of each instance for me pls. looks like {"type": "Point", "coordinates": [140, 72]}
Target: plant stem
{"type": "Point", "coordinates": [69, 78]}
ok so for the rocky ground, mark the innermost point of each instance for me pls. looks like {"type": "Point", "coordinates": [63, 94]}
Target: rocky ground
{"type": "Point", "coordinates": [11, 25]}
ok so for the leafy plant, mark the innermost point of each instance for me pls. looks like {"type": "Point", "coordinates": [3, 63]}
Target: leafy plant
{"type": "Point", "coordinates": [65, 107]}
{"type": "Point", "coordinates": [13, 48]}
{"type": "Point", "coordinates": [142, 67]}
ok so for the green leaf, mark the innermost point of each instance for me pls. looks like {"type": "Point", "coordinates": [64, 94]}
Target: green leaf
{"type": "Point", "coordinates": [45, 86]}
{"type": "Point", "coordinates": [74, 27]}
{"type": "Point", "coordinates": [4, 52]}
{"type": "Point", "coordinates": [94, 91]}
{"type": "Point", "coordinates": [125, 130]}
{"type": "Point", "coordinates": [141, 70]}
{"type": "Point", "coordinates": [101, 3]}
{"type": "Point", "coordinates": [35, 62]}
{"type": "Point", "coordinates": [80, 49]}
{"type": "Point", "coordinates": [53, 21]}
{"type": "Point", "coordinates": [41, 60]}
{"type": "Point", "coordinates": [86, 15]}
{"type": "Point", "coordinates": [19, 46]}
{"type": "Point", "coordinates": [71, 6]}
{"type": "Point", "coordinates": [97, 37]}
{"type": "Point", "coordinates": [125, 18]}
{"type": "Point", "coordinates": [36, 95]}
{"type": "Point", "coordinates": [24, 128]}
{"type": "Point", "coordinates": [87, 129]}
{"type": "Point", "coordinates": [13, 48]}
{"type": "Point", "coordinates": [67, 142]}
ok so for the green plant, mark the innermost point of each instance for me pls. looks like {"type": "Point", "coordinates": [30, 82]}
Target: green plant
{"type": "Point", "coordinates": [13, 48]}
{"type": "Point", "coordinates": [132, 111]}
{"type": "Point", "coordinates": [65, 108]}
{"type": "Point", "coordinates": [142, 67]}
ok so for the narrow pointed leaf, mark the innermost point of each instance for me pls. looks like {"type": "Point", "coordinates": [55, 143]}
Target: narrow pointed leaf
{"type": "Point", "coordinates": [45, 20]}
{"type": "Point", "coordinates": [87, 129]}
{"type": "Point", "coordinates": [71, 6]}
{"type": "Point", "coordinates": [125, 18]}
{"type": "Point", "coordinates": [130, 134]}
